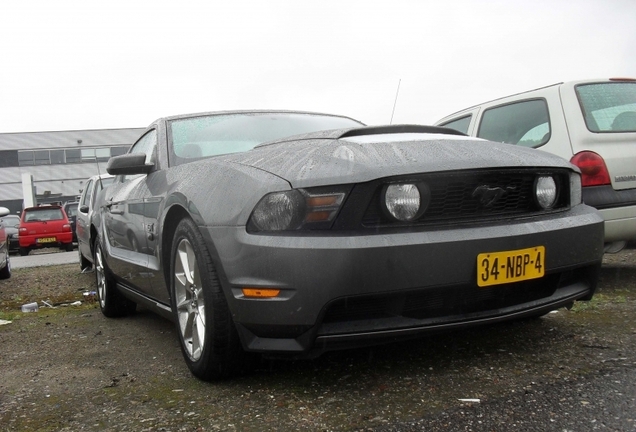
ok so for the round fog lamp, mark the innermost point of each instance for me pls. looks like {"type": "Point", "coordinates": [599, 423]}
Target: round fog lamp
{"type": "Point", "coordinates": [546, 192]}
{"type": "Point", "coordinates": [402, 201]}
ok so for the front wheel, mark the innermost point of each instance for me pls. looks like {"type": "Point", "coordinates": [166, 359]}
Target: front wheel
{"type": "Point", "coordinates": [111, 302]}
{"type": "Point", "coordinates": [207, 334]}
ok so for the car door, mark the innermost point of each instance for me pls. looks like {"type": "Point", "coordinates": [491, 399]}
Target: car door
{"type": "Point", "coordinates": [83, 229]}
{"type": "Point", "coordinates": [124, 223]}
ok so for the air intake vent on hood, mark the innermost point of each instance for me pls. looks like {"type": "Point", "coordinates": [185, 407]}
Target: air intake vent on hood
{"type": "Point", "coordinates": [393, 129]}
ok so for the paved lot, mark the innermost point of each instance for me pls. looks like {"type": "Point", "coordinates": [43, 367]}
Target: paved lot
{"type": "Point", "coordinates": [44, 258]}
{"type": "Point", "coordinates": [71, 369]}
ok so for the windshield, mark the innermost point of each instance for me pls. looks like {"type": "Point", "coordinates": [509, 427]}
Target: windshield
{"type": "Point", "coordinates": [102, 183]}
{"type": "Point", "coordinates": [48, 214]}
{"type": "Point", "coordinates": [71, 210]}
{"type": "Point", "coordinates": [213, 135]}
{"type": "Point", "coordinates": [11, 220]}
{"type": "Point", "coordinates": [609, 107]}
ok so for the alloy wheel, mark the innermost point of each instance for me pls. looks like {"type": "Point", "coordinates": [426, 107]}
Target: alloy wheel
{"type": "Point", "coordinates": [100, 277]}
{"type": "Point", "coordinates": [189, 300]}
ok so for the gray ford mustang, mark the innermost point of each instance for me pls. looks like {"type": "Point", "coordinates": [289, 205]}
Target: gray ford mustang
{"type": "Point", "coordinates": [293, 233]}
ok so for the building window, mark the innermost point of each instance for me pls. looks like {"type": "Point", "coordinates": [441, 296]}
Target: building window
{"type": "Point", "coordinates": [73, 155]}
{"type": "Point", "coordinates": [68, 156]}
{"type": "Point", "coordinates": [25, 158]}
{"type": "Point", "coordinates": [88, 155]}
{"type": "Point", "coordinates": [102, 154]}
{"type": "Point", "coordinates": [57, 156]}
{"type": "Point", "coordinates": [41, 157]}
{"type": "Point", "coordinates": [9, 158]}
{"type": "Point", "coordinates": [116, 151]}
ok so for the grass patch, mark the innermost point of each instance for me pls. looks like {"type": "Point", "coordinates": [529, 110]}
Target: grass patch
{"type": "Point", "coordinates": [598, 302]}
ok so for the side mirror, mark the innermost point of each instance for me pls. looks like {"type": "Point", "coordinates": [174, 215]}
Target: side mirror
{"type": "Point", "coordinates": [83, 208]}
{"type": "Point", "coordinates": [128, 164]}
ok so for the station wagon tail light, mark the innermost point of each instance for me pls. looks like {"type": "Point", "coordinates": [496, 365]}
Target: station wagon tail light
{"type": "Point", "coordinates": [593, 169]}
{"type": "Point", "coordinates": [296, 209]}
{"type": "Point", "coordinates": [545, 191]}
{"type": "Point", "coordinates": [66, 227]}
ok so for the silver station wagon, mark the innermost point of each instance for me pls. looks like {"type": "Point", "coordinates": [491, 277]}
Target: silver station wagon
{"type": "Point", "coordinates": [591, 123]}
{"type": "Point", "coordinates": [288, 234]}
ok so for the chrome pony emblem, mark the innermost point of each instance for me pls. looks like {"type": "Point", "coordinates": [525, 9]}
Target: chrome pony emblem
{"type": "Point", "coordinates": [488, 195]}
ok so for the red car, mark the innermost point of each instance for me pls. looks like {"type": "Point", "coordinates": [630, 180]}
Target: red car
{"type": "Point", "coordinates": [45, 226]}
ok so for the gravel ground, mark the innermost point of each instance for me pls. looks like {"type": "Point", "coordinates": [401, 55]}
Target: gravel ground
{"type": "Point", "coordinates": [68, 368]}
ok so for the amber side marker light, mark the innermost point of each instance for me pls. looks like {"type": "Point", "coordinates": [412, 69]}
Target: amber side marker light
{"type": "Point", "coordinates": [260, 292]}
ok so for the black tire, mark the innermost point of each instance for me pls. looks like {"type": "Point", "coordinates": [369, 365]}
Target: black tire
{"type": "Point", "coordinates": [207, 335]}
{"type": "Point", "coordinates": [83, 261]}
{"type": "Point", "coordinates": [111, 302]}
{"type": "Point", "coordinates": [23, 251]}
{"type": "Point", "coordinates": [5, 273]}
{"type": "Point", "coordinates": [68, 247]}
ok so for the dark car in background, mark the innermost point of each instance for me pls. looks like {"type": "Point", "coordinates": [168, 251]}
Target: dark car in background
{"type": "Point", "coordinates": [11, 225]}
{"type": "Point", "coordinates": [43, 227]}
{"type": "Point", "coordinates": [86, 228]}
{"type": "Point", "coordinates": [290, 234]}
{"type": "Point", "coordinates": [70, 208]}
{"type": "Point", "coordinates": [5, 259]}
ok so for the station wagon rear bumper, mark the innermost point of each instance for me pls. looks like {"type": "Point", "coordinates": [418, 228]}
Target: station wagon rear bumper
{"type": "Point", "coordinates": [618, 208]}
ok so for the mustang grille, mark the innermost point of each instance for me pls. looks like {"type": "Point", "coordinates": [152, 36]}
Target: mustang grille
{"type": "Point", "coordinates": [458, 197]}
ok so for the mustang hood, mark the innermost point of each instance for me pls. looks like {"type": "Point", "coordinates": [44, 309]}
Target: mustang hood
{"type": "Point", "coordinates": [317, 159]}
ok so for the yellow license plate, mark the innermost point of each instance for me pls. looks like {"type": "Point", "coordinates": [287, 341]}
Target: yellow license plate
{"type": "Point", "coordinates": [496, 268]}
{"type": "Point", "coordinates": [46, 240]}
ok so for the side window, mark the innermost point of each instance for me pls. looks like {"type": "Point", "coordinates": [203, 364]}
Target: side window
{"type": "Point", "coordinates": [460, 124]}
{"type": "Point", "coordinates": [87, 193]}
{"type": "Point", "coordinates": [525, 123]}
{"type": "Point", "coordinates": [146, 145]}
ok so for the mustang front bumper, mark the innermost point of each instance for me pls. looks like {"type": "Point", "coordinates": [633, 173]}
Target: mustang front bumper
{"type": "Point", "coordinates": [342, 290]}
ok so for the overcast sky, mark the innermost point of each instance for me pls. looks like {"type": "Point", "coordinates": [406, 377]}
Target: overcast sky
{"type": "Point", "coordinates": [67, 65]}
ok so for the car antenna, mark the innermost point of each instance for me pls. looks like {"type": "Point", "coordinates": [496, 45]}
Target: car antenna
{"type": "Point", "coordinates": [396, 98]}
{"type": "Point", "coordinates": [99, 174]}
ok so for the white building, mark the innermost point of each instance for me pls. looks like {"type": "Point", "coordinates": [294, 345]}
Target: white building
{"type": "Point", "coordinates": [58, 162]}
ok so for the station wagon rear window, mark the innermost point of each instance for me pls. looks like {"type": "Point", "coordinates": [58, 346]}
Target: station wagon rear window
{"type": "Point", "coordinates": [45, 214]}
{"type": "Point", "coordinates": [608, 107]}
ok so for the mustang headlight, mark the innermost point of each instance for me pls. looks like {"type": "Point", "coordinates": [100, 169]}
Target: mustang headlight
{"type": "Point", "coordinates": [296, 209]}
{"type": "Point", "coordinates": [405, 202]}
{"type": "Point", "coordinates": [545, 191]}
{"type": "Point", "coordinates": [279, 211]}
